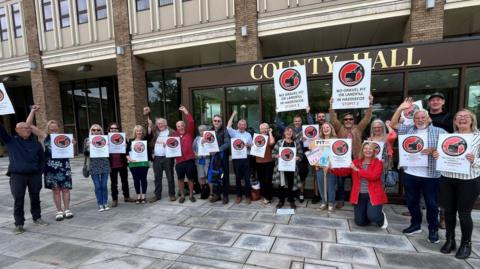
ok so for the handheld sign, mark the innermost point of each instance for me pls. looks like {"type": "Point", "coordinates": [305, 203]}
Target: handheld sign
{"type": "Point", "coordinates": [239, 148]}
{"type": "Point", "coordinates": [211, 144]}
{"type": "Point", "coordinates": [310, 133]}
{"type": "Point", "coordinates": [291, 88]}
{"type": "Point", "coordinates": [201, 149]}
{"type": "Point", "coordinates": [159, 148]}
{"type": "Point", "coordinates": [98, 146]}
{"type": "Point", "coordinates": [452, 150]}
{"type": "Point", "coordinates": [5, 103]}
{"type": "Point", "coordinates": [351, 84]}
{"type": "Point", "coordinates": [259, 145]}
{"type": "Point", "coordinates": [287, 159]}
{"type": "Point", "coordinates": [407, 115]}
{"type": "Point", "coordinates": [117, 143]}
{"type": "Point", "coordinates": [410, 147]}
{"type": "Point", "coordinates": [377, 148]}
{"type": "Point", "coordinates": [62, 146]}
{"type": "Point", "coordinates": [341, 150]}
{"type": "Point", "coordinates": [173, 147]}
{"type": "Point", "coordinates": [139, 152]}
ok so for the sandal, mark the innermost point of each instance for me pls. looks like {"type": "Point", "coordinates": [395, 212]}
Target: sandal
{"type": "Point", "coordinates": [138, 201]}
{"type": "Point", "coordinates": [59, 216]}
{"type": "Point", "coordinates": [68, 214]}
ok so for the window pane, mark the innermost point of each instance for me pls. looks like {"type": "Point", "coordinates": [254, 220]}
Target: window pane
{"type": "Point", "coordinates": [81, 5]}
{"type": "Point", "coordinates": [101, 9]}
{"type": "Point", "coordinates": [67, 106]}
{"type": "Point", "coordinates": [165, 2]}
{"type": "Point", "coordinates": [268, 103]}
{"type": "Point", "coordinates": [2, 11]}
{"type": "Point", "coordinates": [244, 100]}
{"type": "Point", "coordinates": [206, 104]}
{"type": "Point", "coordinates": [101, 14]}
{"type": "Point", "coordinates": [472, 87]}
{"type": "Point", "coordinates": [82, 18]}
{"type": "Point", "coordinates": [18, 32]}
{"type": "Point", "coordinates": [387, 91]}
{"type": "Point", "coordinates": [65, 22]}
{"type": "Point", "coordinates": [63, 7]}
{"type": "Point", "coordinates": [143, 5]}
{"type": "Point", "coordinates": [4, 35]}
{"type": "Point", "coordinates": [82, 15]}
{"type": "Point", "coordinates": [164, 96]}
{"type": "Point", "coordinates": [47, 10]}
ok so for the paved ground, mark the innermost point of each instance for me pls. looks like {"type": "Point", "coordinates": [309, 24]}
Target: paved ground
{"type": "Point", "coordinates": [203, 235]}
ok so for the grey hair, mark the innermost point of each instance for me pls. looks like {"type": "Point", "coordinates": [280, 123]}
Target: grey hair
{"type": "Point", "coordinates": [379, 121]}
{"type": "Point", "coordinates": [202, 128]}
{"type": "Point", "coordinates": [421, 110]}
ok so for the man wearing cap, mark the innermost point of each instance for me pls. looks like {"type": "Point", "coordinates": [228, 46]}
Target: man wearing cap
{"type": "Point", "coordinates": [440, 118]}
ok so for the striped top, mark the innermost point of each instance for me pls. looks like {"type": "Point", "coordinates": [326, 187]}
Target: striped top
{"type": "Point", "coordinates": [475, 168]}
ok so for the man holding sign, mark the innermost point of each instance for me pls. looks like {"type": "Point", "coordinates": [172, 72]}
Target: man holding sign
{"type": "Point", "coordinates": [241, 139]}
{"type": "Point", "coordinates": [421, 179]}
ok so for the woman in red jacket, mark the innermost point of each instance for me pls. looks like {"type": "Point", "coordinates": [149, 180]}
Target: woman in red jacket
{"type": "Point", "coordinates": [367, 195]}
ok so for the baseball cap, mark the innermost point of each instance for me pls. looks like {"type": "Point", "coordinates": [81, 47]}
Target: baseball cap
{"type": "Point", "coordinates": [436, 94]}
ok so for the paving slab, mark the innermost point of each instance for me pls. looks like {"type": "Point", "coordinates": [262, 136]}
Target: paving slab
{"type": "Point", "coordinates": [349, 254]}
{"type": "Point", "coordinates": [270, 260]}
{"type": "Point", "coordinates": [313, 263]}
{"type": "Point", "coordinates": [209, 262]}
{"type": "Point", "coordinates": [230, 214]}
{"type": "Point", "coordinates": [375, 240]}
{"type": "Point", "coordinates": [182, 265]}
{"type": "Point", "coordinates": [255, 242]}
{"type": "Point", "coordinates": [372, 228]}
{"type": "Point", "coordinates": [395, 259]}
{"type": "Point", "coordinates": [130, 227]}
{"type": "Point", "coordinates": [167, 245]}
{"type": "Point", "coordinates": [168, 231]}
{"type": "Point", "coordinates": [300, 248]}
{"type": "Point", "coordinates": [322, 222]}
{"type": "Point", "coordinates": [122, 262]}
{"type": "Point", "coordinates": [218, 253]}
{"type": "Point", "coordinates": [62, 254]}
{"type": "Point", "coordinates": [204, 222]}
{"type": "Point", "coordinates": [7, 260]}
{"type": "Point", "coordinates": [154, 254]}
{"type": "Point", "coordinates": [306, 233]}
{"type": "Point", "coordinates": [211, 237]}
{"type": "Point", "coordinates": [31, 264]}
{"type": "Point", "coordinates": [247, 227]}
{"type": "Point", "coordinates": [195, 211]}
{"type": "Point", "coordinates": [272, 218]}
{"type": "Point", "coordinates": [160, 264]}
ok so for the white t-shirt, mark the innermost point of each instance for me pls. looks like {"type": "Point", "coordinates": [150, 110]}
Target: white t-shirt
{"type": "Point", "coordinates": [418, 171]}
{"type": "Point", "coordinates": [159, 149]}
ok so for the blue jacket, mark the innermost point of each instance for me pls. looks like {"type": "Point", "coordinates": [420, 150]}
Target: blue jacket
{"type": "Point", "coordinates": [26, 155]}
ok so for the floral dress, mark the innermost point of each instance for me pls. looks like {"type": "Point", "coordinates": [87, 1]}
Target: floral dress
{"type": "Point", "coordinates": [57, 171]}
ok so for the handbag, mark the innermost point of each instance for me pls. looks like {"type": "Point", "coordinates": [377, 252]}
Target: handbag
{"type": "Point", "coordinates": [86, 168]}
{"type": "Point", "coordinates": [391, 177]}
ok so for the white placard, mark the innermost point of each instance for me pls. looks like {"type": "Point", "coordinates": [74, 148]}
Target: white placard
{"type": "Point", "coordinates": [173, 148]}
{"type": "Point", "coordinates": [310, 133]}
{"type": "Point", "coordinates": [341, 152]}
{"type": "Point", "coordinates": [201, 149]}
{"type": "Point", "coordinates": [239, 148]}
{"type": "Point", "coordinates": [407, 115]}
{"type": "Point", "coordinates": [321, 154]}
{"type": "Point", "coordinates": [5, 103]}
{"type": "Point", "coordinates": [259, 145]}
{"type": "Point", "coordinates": [117, 143]}
{"type": "Point", "coordinates": [159, 148]}
{"type": "Point", "coordinates": [62, 146]}
{"type": "Point", "coordinates": [377, 148]}
{"type": "Point", "coordinates": [98, 146]}
{"type": "Point", "coordinates": [211, 144]}
{"type": "Point", "coordinates": [351, 84]}
{"type": "Point", "coordinates": [138, 151]}
{"type": "Point", "coordinates": [410, 147]}
{"type": "Point", "coordinates": [452, 150]}
{"type": "Point", "coordinates": [287, 159]}
{"type": "Point", "coordinates": [285, 211]}
{"type": "Point", "coordinates": [291, 88]}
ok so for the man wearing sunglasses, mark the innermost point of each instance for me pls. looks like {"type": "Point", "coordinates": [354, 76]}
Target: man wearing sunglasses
{"type": "Point", "coordinates": [348, 129]}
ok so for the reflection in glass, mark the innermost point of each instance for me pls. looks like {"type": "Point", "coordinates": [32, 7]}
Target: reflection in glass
{"type": "Point", "coordinates": [472, 87]}
{"type": "Point", "coordinates": [387, 90]}
{"type": "Point", "coordinates": [164, 95]}
{"type": "Point", "coordinates": [206, 104]}
{"type": "Point", "coordinates": [244, 100]}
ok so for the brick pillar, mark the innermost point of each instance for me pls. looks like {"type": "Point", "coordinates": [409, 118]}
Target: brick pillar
{"type": "Point", "coordinates": [45, 86]}
{"type": "Point", "coordinates": [247, 47]}
{"type": "Point", "coordinates": [132, 86]}
{"type": "Point", "coordinates": [424, 24]}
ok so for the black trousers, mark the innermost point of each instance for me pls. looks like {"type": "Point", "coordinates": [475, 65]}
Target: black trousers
{"type": "Point", "coordinates": [458, 195]}
{"type": "Point", "coordinates": [123, 171]}
{"type": "Point", "coordinates": [289, 186]}
{"type": "Point", "coordinates": [161, 164]}
{"type": "Point", "coordinates": [18, 185]}
{"type": "Point", "coordinates": [242, 172]}
{"type": "Point", "coordinates": [265, 176]}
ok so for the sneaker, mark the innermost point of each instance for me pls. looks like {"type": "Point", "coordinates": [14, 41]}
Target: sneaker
{"type": "Point", "coordinates": [331, 208]}
{"type": "Point", "coordinates": [433, 237]}
{"type": "Point", "coordinates": [151, 200]}
{"type": "Point", "coordinates": [192, 199]}
{"type": "Point", "coordinates": [301, 198]}
{"type": "Point", "coordinates": [138, 201]}
{"type": "Point", "coordinates": [172, 198]}
{"type": "Point", "coordinates": [19, 229]}
{"type": "Point", "coordinates": [101, 209]}
{"type": "Point", "coordinates": [68, 214]}
{"type": "Point", "coordinates": [213, 198]}
{"type": "Point", "coordinates": [40, 222]}
{"type": "Point", "coordinates": [266, 201]}
{"type": "Point", "coordinates": [385, 222]}
{"type": "Point", "coordinates": [143, 201]}
{"type": "Point", "coordinates": [106, 207]}
{"type": "Point", "coordinates": [411, 230]}
{"type": "Point", "coordinates": [181, 200]}
{"type": "Point", "coordinates": [323, 206]}
{"type": "Point", "coordinates": [59, 216]}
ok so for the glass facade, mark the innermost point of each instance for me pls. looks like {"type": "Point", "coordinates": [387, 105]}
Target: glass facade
{"type": "Point", "coordinates": [472, 90]}
{"type": "Point", "coordinates": [164, 95]}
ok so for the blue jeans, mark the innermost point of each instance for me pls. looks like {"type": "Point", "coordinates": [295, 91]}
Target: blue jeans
{"type": "Point", "coordinates": [365, 212]}
{"type": "Point", "coordinates": [340, 189]}
{"type": "Point", "coordinates": [331, 180]}
{"type": "Point", "coordinates": [101, 188]}
{"type": "Point", "coordinates": [414, 186]}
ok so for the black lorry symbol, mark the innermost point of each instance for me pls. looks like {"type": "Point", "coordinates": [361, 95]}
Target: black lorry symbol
{"type": "Point", "coordinates": [415, 145]}
{"type": "Point", "coordinates": [290, 82]}
{"type": "Point", "coordinates": [342, 148]}
{"type": "Point", "coordinates": [454, 147]}
{"type": "Point", "coordinates": [352, 76]}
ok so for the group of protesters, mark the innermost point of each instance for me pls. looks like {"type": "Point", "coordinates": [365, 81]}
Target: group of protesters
{"type": "Point", "coordinates": [452, 192]}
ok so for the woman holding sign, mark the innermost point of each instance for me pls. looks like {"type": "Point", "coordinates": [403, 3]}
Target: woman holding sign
{"type": "Point", "coordinates": [138, 160]}
{"type": "Point", "coordinates": [367, 195]}
{"type": "Point", "coordinates": [57, 174]}
{"type": "Point", "coordinates": [459, 191]}
{"type": "Point", "coordinates": [287, 153]}
{"type": "Point", "coordinates": [265, 164]}
{"type": "Point", "coordinates": [378, 133]}
{"type": "Point", "coordinates": [99, 166]}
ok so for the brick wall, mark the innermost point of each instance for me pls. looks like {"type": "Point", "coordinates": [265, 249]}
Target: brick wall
{"type": "Point", "coordinates": [425, 24]}
{"type": "Point", "coordinates": [247, 48]}
{"type": "Point", "coordinates": [132, 87]}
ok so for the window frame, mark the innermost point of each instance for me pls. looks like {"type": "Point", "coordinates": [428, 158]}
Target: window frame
{"type": "Point", "coordinates": [99, 8]}
{"type": "Point", "coordinates": [143, 9]}
{"type": "Point", "coordinates": [17, 25]}
{"type": "Point", "coordinates": [165, 4]}
{"type": "Point", "coordinates": [46, 3]}
{"type": "Point", "coordinates": [2, 31]}
{"type": "Point", "coordinates": [63, 16]}
{"type": "Point", "coordinates": [82, 12]}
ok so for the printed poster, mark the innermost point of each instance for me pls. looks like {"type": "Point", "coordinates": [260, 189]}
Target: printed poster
{"type": "Point", "coordinates": [62, 146]}
{"type": "Point", "coordinates": [320, 155]}
{"type": "Point", "coordinates": [239, 148]}
{"type": "Point", "coordinates": [287, 159]}
{"type": "Point", "coordinates": [310, 133]}
{"type": "Point", "coordinates": [139, 152]}
{"type": "Point", "coordinates": [210, 142]}
{"type": "Point", "coordinates": [341, 153]}
{"type": "Point", "coordinates": [5, 103]}
{"type": "Point", "coordinates": [98, 146]}
{"type": "Point", "coordinates": [410, 147]}
{"type": "Point", "coordinates": [291, 88]}
{"type": "Point", "coordinates": [377, 148]}
{"type": "Point", "coordinates": [351, 84]}
{"type": "Point", "coordinates": [201, 149]}
{"type": "Point", "coordinates": [407, 115]}
{"type": "Point", "coordinates": [259, 145]}
{"type": "Point", "coordinates": [173, 148]}
{"type": "Point", "coordinates": [452, 150]}
{"type": "Point", "coordinates": [117, 143]}
{"type": "Point", "coordinates": [159, 148]}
